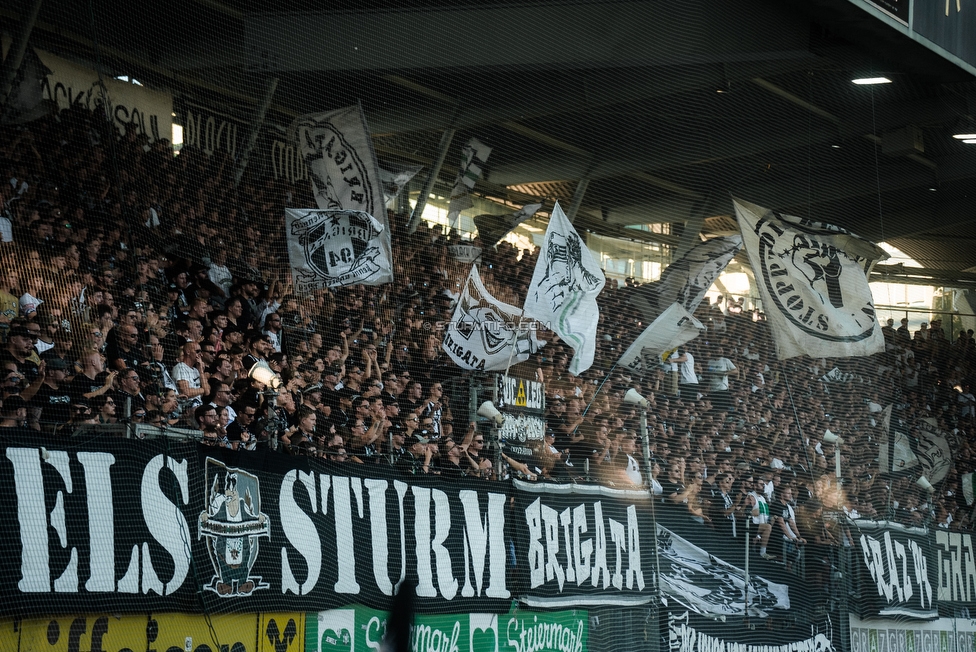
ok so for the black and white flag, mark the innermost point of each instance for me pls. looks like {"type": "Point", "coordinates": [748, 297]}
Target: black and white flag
{"type": "Point", "coordinates": [894, 451]}
{"type": "Point", "coordinates": [395, 176]}
{"type": "Point", "coordinates": [711, 587]}
{"type": "Point", "coordinates": [473, 159]}
{"type": "Point", "coordinates": [346, 180]}
{"type": "Point", "coordinates": [492, 228]}
{"type": "Point", "coordinates": [674, 327]}
{"type": "Point", "coordinates": [933, 449]}
{"type": "Point", "coordinates": [813, 279]}
{"type": "Point", "coordinates": [25, 102]}
{"type": "Point", "coordinates": [564, 288]}
{"type": "Point", "coordinates": [328, 249]}
{"type": "Point", "coordinates": [483, 330]}
{"type": "Point", "coordinates": [686, 281]}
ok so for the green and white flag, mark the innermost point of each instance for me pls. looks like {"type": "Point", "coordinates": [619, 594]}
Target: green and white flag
{"type": "Point", "coordinates": [564, 287]}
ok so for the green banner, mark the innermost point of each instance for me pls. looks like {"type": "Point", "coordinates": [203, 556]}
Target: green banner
{"type": "Point", "coordinates": [361, 629]}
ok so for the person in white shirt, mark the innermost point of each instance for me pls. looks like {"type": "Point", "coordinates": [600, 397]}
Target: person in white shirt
{"type": "Point", "coordinates": [687, 378]}
{"type": "Point", "coordinates": [718, 371]}
{"type": "Point", "coordinates": [191, 382]}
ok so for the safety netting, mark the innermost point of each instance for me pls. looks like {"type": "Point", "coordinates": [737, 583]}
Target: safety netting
{"type": "Point", "coordinates": [259, 262]}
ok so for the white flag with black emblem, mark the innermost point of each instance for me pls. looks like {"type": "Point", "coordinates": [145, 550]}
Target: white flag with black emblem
{"type": "Point", "coordinates": [473, 159]}
{"type": "Point", "coordinates": [328, 249]}
{"type": "Point", "coordinates": [674, 327]}
{"type": "Point", "coordinates": [346, 180]}
{"type": "Point", "coordinates": [483, 330]}
{"type": "Point", "coordinates": [564, 287]}
{"type": "Point", "coordinates": [813, 280]}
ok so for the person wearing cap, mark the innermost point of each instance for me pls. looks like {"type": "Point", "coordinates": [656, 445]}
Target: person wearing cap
{"type": "Point", "coordinates": [20, 351]}
{"type": "Point", "coordinates": [417, 458]}
{"type": "Point", "coordinates": [51, 404]}
{"type": "Point", "coordinates": [922, 334]}
{"type": "Point", "coordinates": [343, 414]}
{"type": "Point", "coordinates": [398, 439]}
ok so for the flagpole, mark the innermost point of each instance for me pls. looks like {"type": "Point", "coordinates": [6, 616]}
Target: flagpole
{"type": "Point", "coordinates": [511, 354]}
{"type": "Point", "coordinates": [605, 379]}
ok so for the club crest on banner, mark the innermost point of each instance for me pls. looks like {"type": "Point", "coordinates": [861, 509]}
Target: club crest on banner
{"type": "Point", "coordinates": [232, 523]}
{"type": "Point", "coordinates": [338, 247]}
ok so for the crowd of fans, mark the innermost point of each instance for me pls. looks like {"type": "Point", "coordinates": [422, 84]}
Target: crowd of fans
{"type": "Point", "coordinates": [139, 287]}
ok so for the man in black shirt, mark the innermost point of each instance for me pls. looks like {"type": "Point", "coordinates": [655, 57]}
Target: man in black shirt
{"type": "Point", "coordinates": [52, 402]}
{"type": "Point", "coordinates": [259, 348]}
{"type": "Point", "coordinates": [128, 397]}
{"type": "Point", "coordinates": [85, 385]}
{"type": "Point", "coordinates": [20, 351]}
{"type": "Point", "coordinates": [242, 433]}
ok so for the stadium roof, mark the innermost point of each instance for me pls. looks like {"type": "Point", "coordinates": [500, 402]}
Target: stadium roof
{"type": "Point", "coordinates": [666, 109]}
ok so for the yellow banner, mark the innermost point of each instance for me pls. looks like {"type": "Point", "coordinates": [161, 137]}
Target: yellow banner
{"type": "Point", "coordinates": [274, 632]}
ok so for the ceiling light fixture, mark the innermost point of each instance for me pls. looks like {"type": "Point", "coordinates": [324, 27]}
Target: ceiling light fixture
{"type": "Point", "coordinates": [970, 141]}
{"type": "Point", "coordinates": [868, 81]}
{"type": "Point", "coordinates": [964, 136]}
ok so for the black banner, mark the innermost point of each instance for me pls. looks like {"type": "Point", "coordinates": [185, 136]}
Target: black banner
{"type": "Point", "coordinates": [583, 545]}
{"type": "Point", "coordinates": [911, 572]}
{"type": "Point", "coordinates": [123, 525]}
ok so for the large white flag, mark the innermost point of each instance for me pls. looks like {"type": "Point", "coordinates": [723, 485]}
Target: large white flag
{"type": "Point", "coordinates": [564, 287]}
{"type": "Point", "coordinates": [671, 329]}
{"type": "Point", "coordinates": [686, 280]}
{"type": "Point", "coordinates": [813, 279]}
{"type": "Point", "coordinates": [326, 250]}
{"type": "Point", "coordinates": [473, 158]}
{"type": "Point", "coordinates": [483, 330]}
